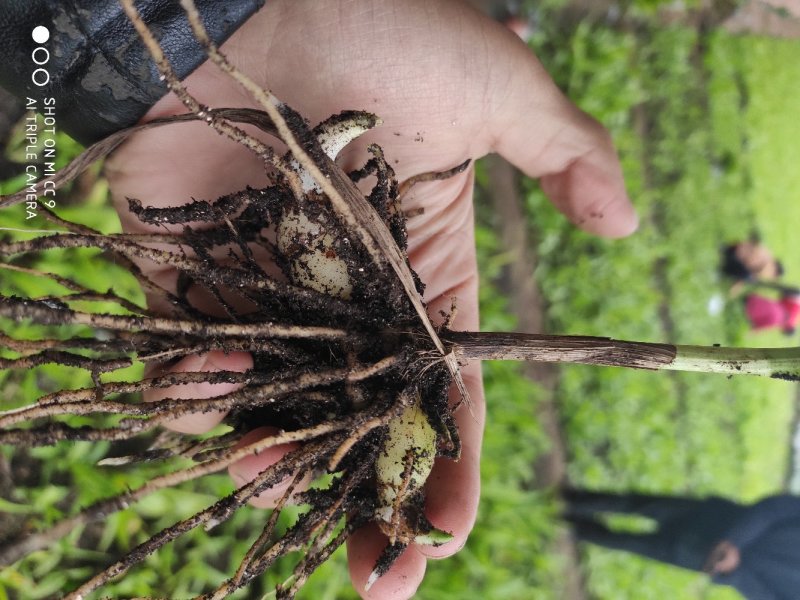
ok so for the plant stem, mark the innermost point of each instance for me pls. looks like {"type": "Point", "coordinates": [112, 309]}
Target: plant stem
{"type": "Point", "coordinates": [779, 363]}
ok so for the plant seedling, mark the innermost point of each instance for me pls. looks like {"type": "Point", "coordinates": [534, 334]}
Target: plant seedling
{"type": "Point", "coordinates": [346, 359]}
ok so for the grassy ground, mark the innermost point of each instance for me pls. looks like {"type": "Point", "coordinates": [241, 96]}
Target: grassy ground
{"type": "Point", "coordinates": [707, 132]}
{"type": "Point", "coordinates": [772, 65]}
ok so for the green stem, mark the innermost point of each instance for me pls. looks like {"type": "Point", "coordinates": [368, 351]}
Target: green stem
{"type": "Point", "coordinates": [779, 363]}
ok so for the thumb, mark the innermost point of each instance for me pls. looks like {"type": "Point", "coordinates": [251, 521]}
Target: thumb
{"type": "Point", "coordinates": [540, 131]}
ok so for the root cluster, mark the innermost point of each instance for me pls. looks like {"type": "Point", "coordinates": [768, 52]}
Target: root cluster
{"type": "Point", "coordinates": [334, 363]}
{"type": "Point", "coordinates": [327, 371]}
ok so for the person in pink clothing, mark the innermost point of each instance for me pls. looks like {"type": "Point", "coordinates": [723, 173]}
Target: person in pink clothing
{"type": "Point", "coordinates": [766, 313]}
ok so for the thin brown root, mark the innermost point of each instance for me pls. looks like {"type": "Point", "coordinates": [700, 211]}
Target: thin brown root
{"type": "Point", "coordinates": [313, 522]}
{"type": "Point", "coordinates": [77, 288]}
{"type": "Point", "coordinates": [176, 86]}
{"type": "Point", "coordinates": [238, 579]}
{"type": "Point", "coordinates": [69, 225]}
{"type": "Point", "coordinates": [47, 315]}
{"type": "Point", "coordinates": [168, 447]}
{"type": "Point", "coordinates": [169, 409]}
{"type": "Point", "coordinates": [13, 552]}
{"type": "Point", "coordinates": [107, 145]}
{"type": "Point", "coordinates": [322, 548]}
{"type": "Point", "coordinates": [409, 183]}
{"type": "Point", "coordinates": [217, 512]}
{"type": "Point", "coordinates": [363, 429]}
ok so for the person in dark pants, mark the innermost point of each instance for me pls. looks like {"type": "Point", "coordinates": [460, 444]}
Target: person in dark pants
{"type": "Point", "coordinates": [753, 548]}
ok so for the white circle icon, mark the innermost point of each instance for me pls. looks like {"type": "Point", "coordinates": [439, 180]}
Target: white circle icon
{"type": "Point", "coordinates": [40, 34]}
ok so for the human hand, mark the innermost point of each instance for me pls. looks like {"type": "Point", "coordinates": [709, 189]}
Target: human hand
{"type": "Point", "coordinates": [449, 84]}
{"type": "Point", "coordinates": [724, 559]}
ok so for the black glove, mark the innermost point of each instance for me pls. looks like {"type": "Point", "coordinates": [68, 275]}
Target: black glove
{"type": "Point", "coordinates": [93, 62]}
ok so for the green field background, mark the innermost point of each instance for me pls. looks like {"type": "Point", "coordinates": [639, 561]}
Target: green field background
{"type": "Point", "coordinates": [708, 130]}
{"type": "Point", "coordinates": [713, 165]}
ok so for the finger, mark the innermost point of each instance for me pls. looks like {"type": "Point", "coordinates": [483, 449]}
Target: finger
{"type": "Point", "coordinates": [540, 131]}
{"type": "Point", "coordinates": [453, 487]}
{"type": "Point", "coordinates": [249, 467]}
{"type": "Point", "coordinates": [442, 252]}
{"type": "Point", "coordinates": [201, 363]}
{"type": "Point", "coordinates": [451, 502]}
{"type": "Point", "coordinates": [590, 190]}
{"type": "Point", "coordinates": [399, 583]}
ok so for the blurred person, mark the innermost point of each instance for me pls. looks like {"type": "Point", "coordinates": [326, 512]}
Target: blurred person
{"type": "Point", "coordinates": [749, 261]}
{"type": "Point", "coordinates": [753, 548]}
{"type": "Point", "coordinates": [767, 313]}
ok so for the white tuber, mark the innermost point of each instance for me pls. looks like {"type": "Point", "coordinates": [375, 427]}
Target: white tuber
{"type": "Point", "coordinates": [406, 460]}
